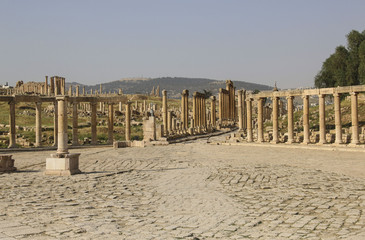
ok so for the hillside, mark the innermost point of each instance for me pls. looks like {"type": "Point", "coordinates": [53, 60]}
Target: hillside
{"type": "Point", "coordinates": [174, 85]}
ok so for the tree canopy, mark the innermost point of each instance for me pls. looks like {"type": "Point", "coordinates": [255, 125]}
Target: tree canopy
{"type": "Point", "coordinates": [346, 66]}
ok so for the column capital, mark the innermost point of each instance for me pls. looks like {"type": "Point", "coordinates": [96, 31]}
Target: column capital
{"type": "Point", "coordinates": [240, 91]}
{"type": "Point", "coordinates": [305, 96]}
{"type": "Point", "coordinates": [213, 98]}
{"type": "Point", "coordinates": [289, 97]}
{"type": "Point", "coordinates": [321, 95]}
{"type": "Point", "coordinates": [336, 94]}
{"type": "Point", "coordinates": [164, 92]}
{"type": "Point", "coordinates": [38, 103]}
{"type": "Point", "coordinates": [354, 93]}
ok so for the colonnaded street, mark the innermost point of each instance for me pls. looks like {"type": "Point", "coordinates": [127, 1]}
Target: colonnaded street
{"type": "Point", "coordinates": [192, 190]}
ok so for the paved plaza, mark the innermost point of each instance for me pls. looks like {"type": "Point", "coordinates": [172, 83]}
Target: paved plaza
{"type": "Point", "coordinates": [193, 190]}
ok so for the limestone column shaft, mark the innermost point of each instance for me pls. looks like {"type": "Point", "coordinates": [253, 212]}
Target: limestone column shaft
{"type": "Point", "coordinates": [260, 125]}
{"type": "Point", "coordinates": [338, 125]}
{"type": "Point", "coordinates": [275, 115]}
{"type": "Point", "coordinates": [322, 119]}
{"type": "Point", "coordinates": [305, 119]}
{"type": "Point", "coordinates": [169, 122]}
{"type": "Point", "coordinates": [12, 131]}
{"type": "Point", "coordinates": [110, 123]}
{"type": "Point", "coordinates": [354, 119]}
{"type": "Point", "coordinates": [240, 111]}
{"type": "Point", "coordinates": [213, 112]}
{"type": "Point", "coordinates": [194, 112]}
{"type": "Point", "coordinates": [55, 124]}
{"type": "Point", "coordinates": [75, 124]}
{"type": "Point", "coordinates": [290, 120]}
{"type": "Point", "coordinates": [204, 113]}
{"type": "Point", "coordinates": [249, 120]}
{"type": "Point", "coordinates": [182, 117]}
{"type": "Point", "coordinates": [220, 106]}
{"type": "Point", "coordinates": [128, 121]}
{"type": "Point", "coordinates": [46, 86]}
{"type": "Point", "coordinates": [62, 147]}
{"type": "Point", "coordinates": [186, 123]}
{"type": "Point", "coordinates": [93, 123]}
{"type": "Point", "coordinates": [164, 111]}
{"type": "Point", "coordinates": [38, 124]}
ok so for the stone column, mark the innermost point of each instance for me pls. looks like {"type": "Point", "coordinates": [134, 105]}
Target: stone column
{"type": "Point", "coordinates": [62, 126]}
{"type": "Point", "coordinates": [240, 111]}
{"type": "Point", "coordinates": [305, 119]}
{"type": "Point", "coordinates": [290, 120]}
{"type": "Point", "coordinates": [12, 131]}
{"type": "Point", "coordinates": [249, 119]}
{"type": "Point", "coordinates": [55, 124]}
{"type": "Point", "coordinates": [128, 121]}
{"type": "Point", "coordinates": [101, 89]}
{"type": "Point", "coordinates": [77, 90]}
{"type": "Point", "coordinates": [62, 163]}
{"type": "Point", "coordinates": [354, 119]}
{"type": "Point", "coordinates": [275, 115]}
{"type": "Point", "coordinates": [322, 119]}
{"type": "Point", "coordinates": [83, 91]}
{"type": "Point", "coordinates": [186, 114]}
{"type": "Point", "coordinates": [120, 107]}
{"type": "Point", "coordinates": [46, 86]}
{"type": "Point", "coordinates": [260, 125]}
{"type": "Point", "coordinates": [182, 117]}
{"type": "Point", "coordinates": [51, 91]}
{"type": "Point", "coordinates": [220, 105]}
{"type": "Point", "coordinates": [213, 112]}
{"type": "Point", "coordinates": [93, 123]}
{"type": "Point", "coordinates": [164, 111]}
{"type": "Point", "coordinates": [110, 123]}
{"type": "Point", "coordinates": [194, 110]}
{"type": "Point", "coordinates": [337, 107]}
{"type": "Point", "coordinates": [169, 122]}
{"type": "Point", "coordinates": [38, 124]}
{"type": "Point", "coordinates": [75, 125]}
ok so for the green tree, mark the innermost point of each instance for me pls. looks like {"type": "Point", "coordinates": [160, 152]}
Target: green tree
{"type": "Point", "coordinates": [362, 62]}
{"type": "Point", "coordinates": [354, 39]}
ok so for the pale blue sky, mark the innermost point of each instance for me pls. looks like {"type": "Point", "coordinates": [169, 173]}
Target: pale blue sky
{"type": "Point", "coordinates": [100, 41]}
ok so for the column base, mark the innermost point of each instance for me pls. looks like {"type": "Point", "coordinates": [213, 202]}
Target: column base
{"type": "Point", "coordinates": [321, 143]}
{"type": "Point", "coordinates": [63, 166]}
{"type": "Point", "coordinates": [354, 143]}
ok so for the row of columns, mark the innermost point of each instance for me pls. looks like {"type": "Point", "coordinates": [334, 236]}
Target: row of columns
{"type": "Point", "coordinates": [38, 127]}
{"type": "Point", "coordinates": [199, 110]}
{"type": "Point", "coordinates": [306, 126]}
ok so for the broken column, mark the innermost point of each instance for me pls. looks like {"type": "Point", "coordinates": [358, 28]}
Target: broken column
{"type": "Point", "coordinates": [12, 142]}
{"type": "Point", "coordinates": [128, 121]}
{"type": "Point", "coordinates": [62, 163]}
{"type": "Point", "coordinates": [110, 122]}
{"type": "Point", "coordinates": [38, 124]}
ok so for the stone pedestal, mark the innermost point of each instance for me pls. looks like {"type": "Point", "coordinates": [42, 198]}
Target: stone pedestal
{"type": "Point", "coordinates": [63, 165]}
{"type": "Point", "coordinates": [7, 163]}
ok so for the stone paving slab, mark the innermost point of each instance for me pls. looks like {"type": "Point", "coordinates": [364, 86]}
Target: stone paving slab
{"type": "Point", "coordinates": [193, 190]}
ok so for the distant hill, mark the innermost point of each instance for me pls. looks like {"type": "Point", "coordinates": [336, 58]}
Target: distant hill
{"type": "Point", "coordinates": [174, 85]}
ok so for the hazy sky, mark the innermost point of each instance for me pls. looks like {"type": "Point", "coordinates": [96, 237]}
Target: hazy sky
{"type": "Point", "coordinates": [100, 41]}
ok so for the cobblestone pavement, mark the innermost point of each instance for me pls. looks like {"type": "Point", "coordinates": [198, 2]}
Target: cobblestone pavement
{"type": "Point", "coordinates": [193, 190]}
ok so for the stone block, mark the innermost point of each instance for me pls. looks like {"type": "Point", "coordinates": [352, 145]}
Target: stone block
{"type": "Point", "coordinates": [7, 163]}
{"type": "Point", "coordinates": [122, 144]}
{"type": "Point", "coordinates": [63, 166]}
